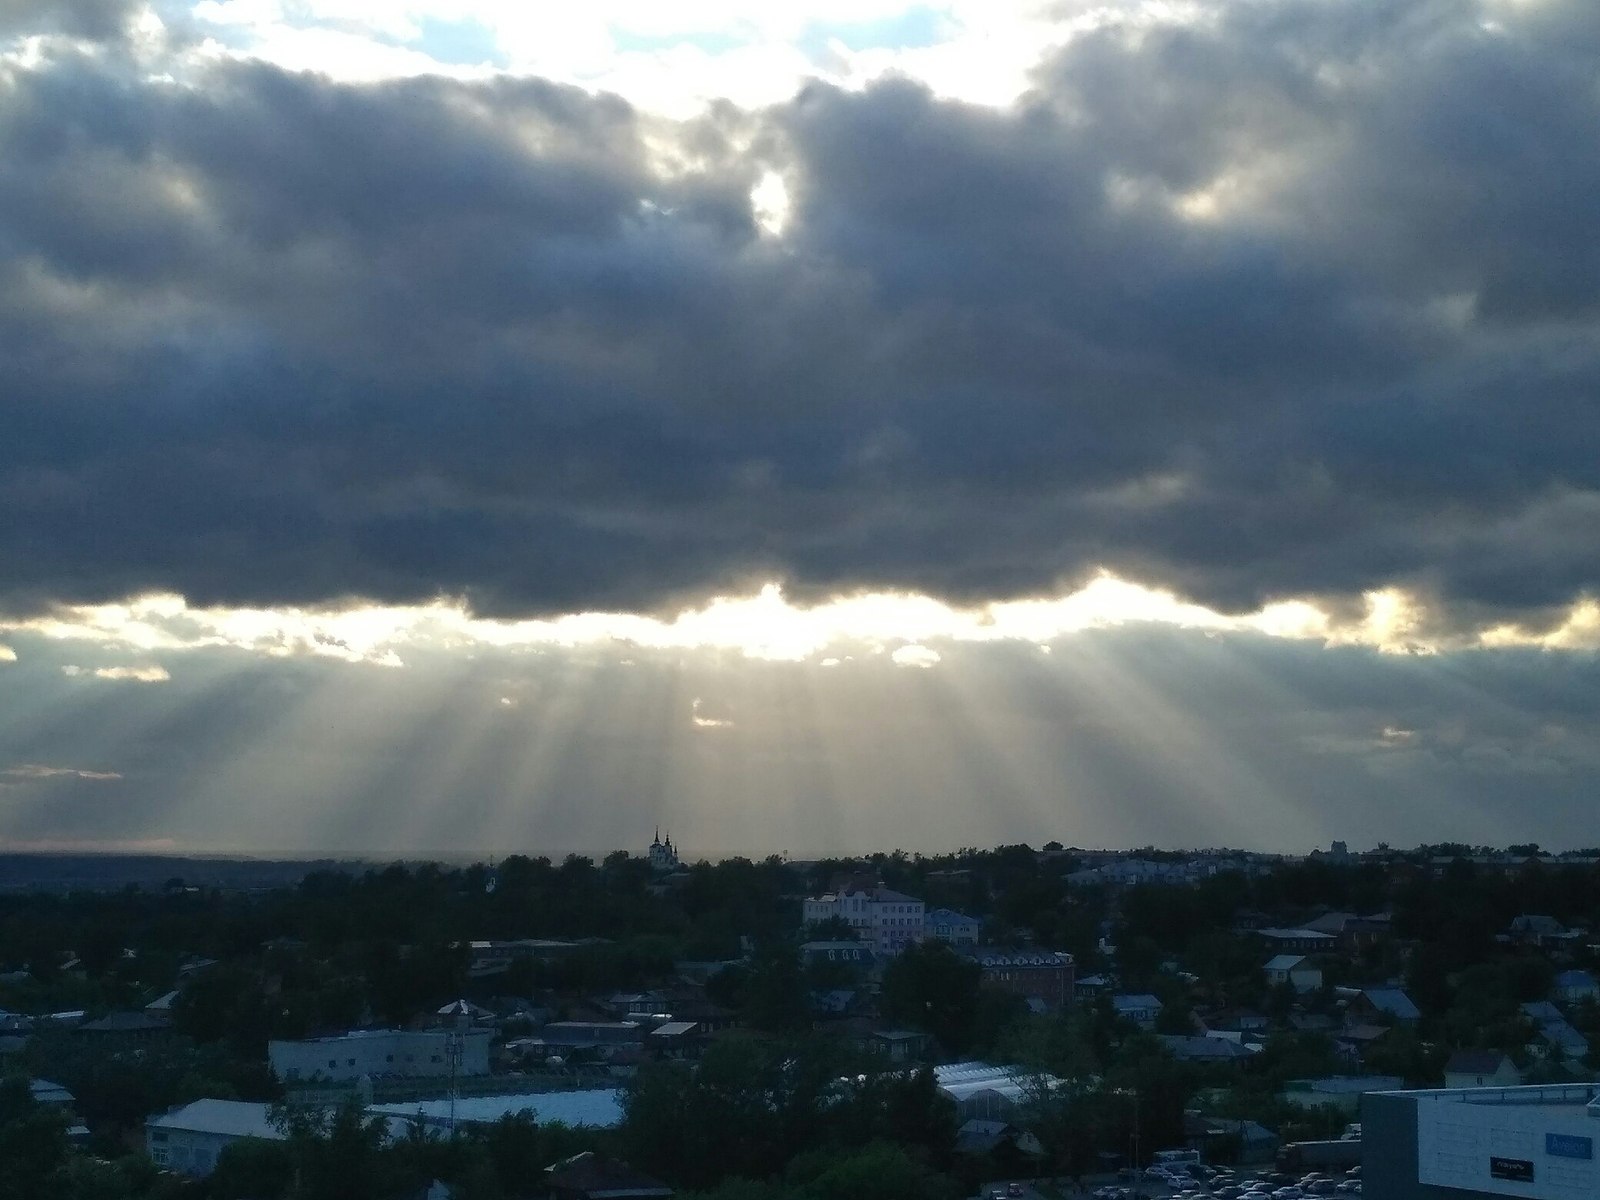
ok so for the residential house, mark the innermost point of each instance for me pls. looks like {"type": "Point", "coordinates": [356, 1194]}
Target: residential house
{"type": "Point", "coordinates": [564, 1037]}
{"type": "Point", "coordinates": [1538, 929]}
{"type": "Point", "coordinates": [1140, 1007]}
{"type": "Point", "coordinates": [1297, 941]}
{"type": "Point", "coordinates": [1091, 985]}
{"type": "Point", "coordinates": [1343, 1092]}
{"type": "Point", "coordinates": [1572, 986]}
{"type": "Point", "coordinates": [57, 1097]}
{"type": "Point", "coordinates": [1361, 932]}
{"type": "Point", "coordinates": [1235, 1020]}
{"type": "Point", "coordinates": [675, 1039]}
{"type": "Point", "coordinates": [1298, 971]}
{"type": "Point", "coordinates": [900, 1045]}
{"type": "Point", "coordinates": [1557, 1037]}
{"type": "Point", "coordinates": [1204, 1049]}
{"type": "Point", "coordinates": [127, 1026]}
{"type": "Point", "coordinates": [1032, 974]}
{"type": "Point", "coordinates": [588, 1176]}
{"type": "Point", "coordinates": [1226, 1140]}
{"type": "Point", "coordinates": [1312, 1023]}
{"type": "Point", "coordinates": [956, 929]}
{"type": "Point", "coordinates": [1331, 922]}
{"type": "Point", "coordinates": [1353, 1042]}
{"type": "Point", "coordinates": [1480, 1068]}
{"type": "Point", "coordinates": [189, 1138]}
{"type": "Point", "coordinates": [628, 1005]}
{"type": "Point", "coordinates": [712, 1018]}
{"type": "Point", "coordinates": [1381, 1003]}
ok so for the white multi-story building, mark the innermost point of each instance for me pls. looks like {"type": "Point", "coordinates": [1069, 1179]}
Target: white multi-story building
{"type": "Point", "coordinates": [377, 1052]}
{"type": "Point", "coordinates": [885, 920]}
{"type": "Point", "coordinates": [188, 1139]}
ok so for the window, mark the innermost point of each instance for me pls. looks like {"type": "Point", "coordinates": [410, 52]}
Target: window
{"type": "Point", "coordinates": [333, 1064]}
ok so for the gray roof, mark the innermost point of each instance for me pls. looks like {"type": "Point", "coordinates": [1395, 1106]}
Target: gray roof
{"type": "Point", "coordinates": [230, 1118]}
{"type": "Point", "coordinates": [1474, 1062]}
{"type": "Point", "coordinates": [673, 1029]}
{"type": "Point", "coordinates": [885, 895]}
{"type": "Point", "coordinates": [46, 1092]}
{"type": "Point", "coordinates": [1284, 962]}
{"type": "Point", "coordinates": [597, 1109]}
{"type": "Point", "coordinates": [1394, 1002]}
{"type": "Point", "coordinates": [1129, 1002]}
{"type": "Point", "coordinates": [1203, 1048]}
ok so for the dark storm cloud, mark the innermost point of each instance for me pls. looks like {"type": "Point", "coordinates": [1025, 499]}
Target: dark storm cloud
{"type": "Point", "coordinates": [93, 20]}
{"type": "Point", "coordinates": [270, 338]}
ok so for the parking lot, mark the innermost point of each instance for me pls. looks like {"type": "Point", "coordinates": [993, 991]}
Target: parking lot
{"type": "Point", "coordinates": [1202, 1183]}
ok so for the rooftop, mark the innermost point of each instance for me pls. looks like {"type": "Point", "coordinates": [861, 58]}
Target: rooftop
{"type": "Point", "coordinates": [599, 1109]}
{"type": "Point", "coordinates": [232, 1118]}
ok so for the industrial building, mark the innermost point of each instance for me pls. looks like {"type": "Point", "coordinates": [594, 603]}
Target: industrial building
{"type": "Point", "coordinates": [1536, 1142]}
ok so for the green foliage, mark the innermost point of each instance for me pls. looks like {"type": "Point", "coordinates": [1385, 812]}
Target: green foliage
{"type": "Point", "coordinates": [752, 1106]}
{"type": "Point", "coordinates": [930, 987]}
{"type": "Point", "coordinates": [879, 1171]}
{"type": "Point", "coordinates": [33, 1145]}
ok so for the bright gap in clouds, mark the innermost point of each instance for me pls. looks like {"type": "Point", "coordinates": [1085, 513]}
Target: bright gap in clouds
{"type": "Point", "coordinates": [766, 625]}
{"type": "Point", "coordinates": [673, 60]}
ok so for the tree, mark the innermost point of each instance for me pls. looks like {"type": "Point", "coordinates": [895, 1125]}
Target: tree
{"type": "Point", "coordinates": [932, 988]}
{"type": "Point", "coordinates": [253, 1167]}
{"type": "Point", "coordinates": [33, 1145]}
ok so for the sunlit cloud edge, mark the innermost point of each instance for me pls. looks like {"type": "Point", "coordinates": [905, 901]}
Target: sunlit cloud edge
{"type": "Point", "coordinates": [764, 625]}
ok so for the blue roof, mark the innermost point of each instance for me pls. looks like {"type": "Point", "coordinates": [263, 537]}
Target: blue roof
{"type": "Point", "coordinates": [1569, 979]}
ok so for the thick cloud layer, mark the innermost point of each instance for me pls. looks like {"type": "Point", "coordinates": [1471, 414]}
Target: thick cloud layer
{"type": "Point", "coordinates": [1301, 298]}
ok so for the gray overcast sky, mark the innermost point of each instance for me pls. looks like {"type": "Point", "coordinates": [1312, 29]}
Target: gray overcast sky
{"type": "Point", "coordinates": [1283, 313]}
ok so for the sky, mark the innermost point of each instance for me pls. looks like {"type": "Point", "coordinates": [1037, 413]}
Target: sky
{"type": "Point", "coordinates": [480, 427]}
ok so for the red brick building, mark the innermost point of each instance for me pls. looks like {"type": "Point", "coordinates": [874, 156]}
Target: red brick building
{"type": "Point", "coordinates": [1044, 975]}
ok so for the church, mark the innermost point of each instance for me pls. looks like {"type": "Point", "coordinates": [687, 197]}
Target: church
{"type": "Point", "coordinates": [663, 855]}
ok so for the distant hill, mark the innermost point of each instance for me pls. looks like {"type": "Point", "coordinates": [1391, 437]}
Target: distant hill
{"type": "Point", "coordinates": [111, 872]}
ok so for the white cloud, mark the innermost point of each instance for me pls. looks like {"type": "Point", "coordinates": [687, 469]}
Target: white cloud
{"type": "Point", "coordinates": [36, 772]}
{"type": "Point", "coordinates": [122, 674]}
{"type": "Point", "coordinates": [7, 654]}
{"type": "Point", "coordinates": [702, 720]}
{"type": "Point", "coordinates": [916, 656]}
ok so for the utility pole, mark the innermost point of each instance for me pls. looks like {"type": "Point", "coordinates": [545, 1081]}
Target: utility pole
{"type": "Point", "coordinates": [454, 1046]}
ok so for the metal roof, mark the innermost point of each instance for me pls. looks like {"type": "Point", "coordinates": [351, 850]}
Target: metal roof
{"type": "Point", "coordinates": [230, 1118]}
{"type": "Point", "coordinates": [597, 1109]}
